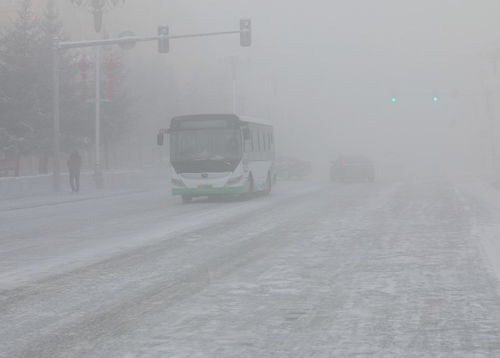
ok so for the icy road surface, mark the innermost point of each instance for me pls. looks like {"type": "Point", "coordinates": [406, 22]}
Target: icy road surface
{"type": "Point", "coordinates": [384, 270]}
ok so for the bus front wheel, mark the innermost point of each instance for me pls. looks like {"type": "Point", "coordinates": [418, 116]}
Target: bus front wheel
{"type": "Point", "coordinates": [250, 190]}
{"type": "Point", "coordinates": [269, 185]}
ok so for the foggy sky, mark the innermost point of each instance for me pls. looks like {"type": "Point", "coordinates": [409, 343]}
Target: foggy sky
{"type": "Point", "coordinates": [324, 72]}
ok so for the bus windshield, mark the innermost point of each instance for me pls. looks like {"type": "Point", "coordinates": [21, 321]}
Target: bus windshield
{"type": "Point", "coordinates": [206, 144]}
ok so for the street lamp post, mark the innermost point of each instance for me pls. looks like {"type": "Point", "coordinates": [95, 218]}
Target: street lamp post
{"type": "Point", "coordinates": [97, 7]}
{"type": "Point", "coordinates": [493, 59]}
{"type": "Point", "coordinates": [56, 117]}
{"type": "Point", "coordinates": [235, 84]}
{"type": "Point", "coordinates": [99, 180]}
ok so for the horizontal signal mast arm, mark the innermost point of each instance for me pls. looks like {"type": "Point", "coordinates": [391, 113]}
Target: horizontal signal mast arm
{"type": "Point", "coordinates": [121, 40]}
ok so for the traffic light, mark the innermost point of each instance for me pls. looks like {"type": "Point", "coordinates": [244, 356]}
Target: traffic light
{"type": "Point", "coordinates": [246, 32]}
{"type": "Point", "coordinates": [98, 20]}
{"type": "Point", "coordinates": [394, 99]}
{"type": "Point", "coordinates": [435, 99]}
{"type": "Point", "coordinates": [163, 41]}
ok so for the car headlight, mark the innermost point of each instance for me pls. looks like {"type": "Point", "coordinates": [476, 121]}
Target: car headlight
{"type": "Point", "coordinates": [178, 182]}
{"type": "Point", "coordinates": [234, 180]}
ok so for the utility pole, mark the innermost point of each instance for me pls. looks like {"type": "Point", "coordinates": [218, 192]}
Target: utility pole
{"type": "Point", "coordinates": [99, 180]}
{"type": "Point", "coordinates": [494, 59]}
{"type": "Point", "coordinates": [235, 84]}
{"type": "Point", "coordinates": [491, 113]}
{"type": "Point", "coordinates": [56, 152]}
{"type": "Point", "coordinates": [98, 7]}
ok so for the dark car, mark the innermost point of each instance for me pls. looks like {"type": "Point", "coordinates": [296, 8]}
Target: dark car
{"type": "Point", "coordinates": [291, 168]}
{"type": "Point", "coordinates": [352, 168]}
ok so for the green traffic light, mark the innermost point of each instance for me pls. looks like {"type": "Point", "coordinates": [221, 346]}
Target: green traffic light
{"type": "Point", "coordinates": [394, 99]}
{"type": "Point", "coordinates": [435, 99]}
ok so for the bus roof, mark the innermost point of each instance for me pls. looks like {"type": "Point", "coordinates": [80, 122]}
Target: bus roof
{"type": "Point", "coordinates": [246, 119]}
{"type": "Point", "coordinates": [255, 120]}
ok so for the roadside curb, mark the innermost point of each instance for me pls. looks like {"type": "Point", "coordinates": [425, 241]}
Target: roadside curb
{"type": "Point", "coordinates": [54, 202]}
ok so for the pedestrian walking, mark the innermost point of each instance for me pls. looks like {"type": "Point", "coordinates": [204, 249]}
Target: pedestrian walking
{"type": "Point", "coordinates": [74, 167]}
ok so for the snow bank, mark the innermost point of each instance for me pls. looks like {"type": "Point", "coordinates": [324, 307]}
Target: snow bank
{"type": "Point", "coordinates": [42, 184]}
{"type": "Point", "coordinates": [483, 201]}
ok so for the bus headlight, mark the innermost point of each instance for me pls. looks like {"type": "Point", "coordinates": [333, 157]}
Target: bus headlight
{"type": "Point", "coordinates": [178, 182]}
{"type": "Point", "coordinates": [235, 180]}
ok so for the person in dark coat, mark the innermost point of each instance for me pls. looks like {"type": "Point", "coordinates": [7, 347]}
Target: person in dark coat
{"type": "Point", "coordinates": [74, 166]}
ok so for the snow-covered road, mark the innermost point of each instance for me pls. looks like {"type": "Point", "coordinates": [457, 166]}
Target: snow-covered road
{"type": "Point", "coordinates": [402, 270]}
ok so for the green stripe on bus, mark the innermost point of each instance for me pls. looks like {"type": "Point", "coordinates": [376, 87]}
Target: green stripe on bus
{"type": "Point", "coordinates": [210, 191]}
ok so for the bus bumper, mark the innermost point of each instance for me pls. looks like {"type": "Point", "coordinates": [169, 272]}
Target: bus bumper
{"type": "Point", "coordinates": [206, 191]}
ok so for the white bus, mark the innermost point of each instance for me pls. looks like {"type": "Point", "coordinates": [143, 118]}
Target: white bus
{"type": "Point", "coordinates": [220, 154]}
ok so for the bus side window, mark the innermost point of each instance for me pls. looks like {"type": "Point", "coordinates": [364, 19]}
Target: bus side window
{"type": "Point", "coordinates": [259, 148]}
{"type": "Point", "coordinates": [252, 148]}
{"type": "Point", "coordinates": [245, 135]}
{"type": "Point", "coordinates": [269, 147]}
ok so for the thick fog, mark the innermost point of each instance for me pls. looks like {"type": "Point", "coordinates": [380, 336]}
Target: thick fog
{"type": "Point", "coordinates": [325, 74]}
{"type": "Point", "coordinates": [362, 222]}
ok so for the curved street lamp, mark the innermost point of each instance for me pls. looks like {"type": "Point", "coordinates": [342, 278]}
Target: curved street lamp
{"type": "Point", "coordinates": [97, 7]}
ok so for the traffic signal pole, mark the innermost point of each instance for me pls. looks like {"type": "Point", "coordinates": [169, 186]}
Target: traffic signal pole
{"type": "Point", "coordinates": [245, 33]}
{"type": "Point", "coordinates": [56, 152]}
{"type": "Point", "coordinates": [135, 39]}
{"type": "Point", "coordinates": [99, 179]}
{"type": "Point", "coordinates": [235, 85]}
